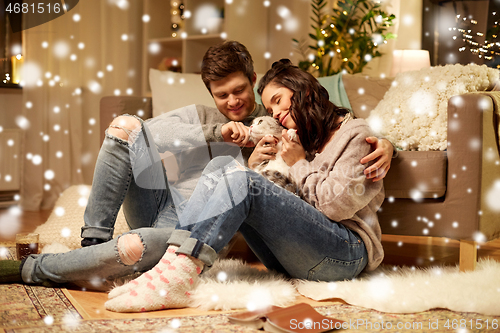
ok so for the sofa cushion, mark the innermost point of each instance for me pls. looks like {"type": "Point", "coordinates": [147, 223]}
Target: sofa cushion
{"type": "Point", "coordinates": [66, 220]}
{"type": "Point", "coordinates": [171, 91]}
{"type": "Point", "coordinates": [417, 175]}
{"type": "Point", "coordinates": [365, 92]}
{"type": "Point", "coordinates": [336, 90]}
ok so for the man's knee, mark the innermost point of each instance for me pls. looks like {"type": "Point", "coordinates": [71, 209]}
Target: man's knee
{"type": "Point", "coordinates": [130, 248]}
{"type": "Point", "coordinates": [123, 126]}
{"type": "Point", "coordinates": [219, 163]}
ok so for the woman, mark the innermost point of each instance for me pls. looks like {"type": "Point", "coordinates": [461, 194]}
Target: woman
{"type": "Point", "coordinates": [330, 234]}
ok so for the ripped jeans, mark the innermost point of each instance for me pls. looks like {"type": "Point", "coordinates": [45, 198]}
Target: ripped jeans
{"type": "Point", "coordinates": [128, 173]}
{"type": "Point", "coordinates": [96, 267]}
{"type": "Point", "coordinates": [285, 232]}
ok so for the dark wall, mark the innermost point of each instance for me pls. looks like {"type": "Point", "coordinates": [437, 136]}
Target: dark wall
{"type": "Point", "coordinates": [439, 16]}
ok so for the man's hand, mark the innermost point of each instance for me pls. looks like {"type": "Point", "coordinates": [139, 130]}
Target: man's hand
{"type": "Point", "coordinates": [382, 155]}
{"type": "Point", "coordinates": [237, 133]}
{"type": "Point", "coordinates": [292, 151]}
{"type": "Point", "coordinates": [264, 150]}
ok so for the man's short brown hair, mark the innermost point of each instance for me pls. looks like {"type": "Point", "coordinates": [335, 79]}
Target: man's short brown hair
{"type": "Point", "coordinates": [224, 59]}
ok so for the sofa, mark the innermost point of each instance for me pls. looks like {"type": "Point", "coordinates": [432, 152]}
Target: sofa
{"type": "Point", "coordinates": [454, 184]}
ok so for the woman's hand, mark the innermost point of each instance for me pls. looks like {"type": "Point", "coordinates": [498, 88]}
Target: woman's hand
{"type": "Point", "coordinates": [292, 151]}
{"type": "Point", "coordinates": [264, 150]}
{"type": "Point", "coordinates": [382, 155]}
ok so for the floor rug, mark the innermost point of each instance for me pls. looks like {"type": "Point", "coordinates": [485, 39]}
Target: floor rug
{"type": "Point", "coordinates": [42, 314]}
{"type": "Point", "coordinates": [409, 290]}
{"type": "Point", "coordinates": [26, 309]}
{"type": "Point", "coordinates": [28, 306]}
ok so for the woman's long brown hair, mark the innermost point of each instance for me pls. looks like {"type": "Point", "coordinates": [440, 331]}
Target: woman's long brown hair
{"type": "Point", "coordinates": [311, 110]}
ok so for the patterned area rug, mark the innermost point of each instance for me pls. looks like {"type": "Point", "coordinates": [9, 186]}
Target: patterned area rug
{"type": "Point", "coordinates": [27, 306]}
{"type": "Point", "coordinates": [26, 309]}
{"type": "Point", "coordinates": [38, 309]}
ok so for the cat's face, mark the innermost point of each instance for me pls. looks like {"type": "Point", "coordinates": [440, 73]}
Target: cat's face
{"type": "Point", "coordinates": [261, 126]}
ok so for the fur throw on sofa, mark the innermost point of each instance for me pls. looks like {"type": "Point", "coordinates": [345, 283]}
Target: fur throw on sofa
{"type": "Point", "coordinates": [413, 113]}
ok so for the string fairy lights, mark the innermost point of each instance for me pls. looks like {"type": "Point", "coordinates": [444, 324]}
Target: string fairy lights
{"type": "Point", "coordinates": [176, 16]}
{"type": "Point", "coordinates": [483, 45]}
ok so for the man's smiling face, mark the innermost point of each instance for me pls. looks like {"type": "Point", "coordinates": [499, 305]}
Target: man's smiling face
{"type": "Point", "coordinates": [234, 96]}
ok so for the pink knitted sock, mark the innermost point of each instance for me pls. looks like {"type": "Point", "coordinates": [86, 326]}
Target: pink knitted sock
{"type": "Point", "coordinates": [162, 265]}
{"type": "Point", "coordinates": [170, 289]}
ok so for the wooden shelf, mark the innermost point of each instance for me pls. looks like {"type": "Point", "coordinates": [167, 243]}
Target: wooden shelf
{"type": "Point", "coordinates": [192, 37]}
{"type": "Point", "coordinates": [11, 86]}
{"type": "Point", "coordinates": [189, 51]}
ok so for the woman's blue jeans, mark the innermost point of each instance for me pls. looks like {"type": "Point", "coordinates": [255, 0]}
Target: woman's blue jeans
{"type": "Point", "coordinates": [286, 233]}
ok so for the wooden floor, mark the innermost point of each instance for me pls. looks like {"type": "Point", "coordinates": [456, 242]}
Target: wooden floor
{"type": "Point", "coordinates": [11, 223]}
{"type": "Point", "coordinates": [399, 250]}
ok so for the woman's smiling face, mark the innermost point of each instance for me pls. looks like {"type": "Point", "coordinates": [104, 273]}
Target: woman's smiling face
{"type": "Point", "coordinates": [277, 100]}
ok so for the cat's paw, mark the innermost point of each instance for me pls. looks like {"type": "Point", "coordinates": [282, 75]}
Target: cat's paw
{"type": "Point", "coordinates": [292, 134]}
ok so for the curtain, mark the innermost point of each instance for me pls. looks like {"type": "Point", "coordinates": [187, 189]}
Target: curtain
{"type": "Point", "coordinates": [71, 62]}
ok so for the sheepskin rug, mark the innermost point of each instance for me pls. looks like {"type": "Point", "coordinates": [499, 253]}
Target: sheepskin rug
{"type": "Point", "coordinates": [413, 112]}
{"type": "Point", "coordinates": [232, 284]}
{"type": "Point", "coordinates": [408, 290]}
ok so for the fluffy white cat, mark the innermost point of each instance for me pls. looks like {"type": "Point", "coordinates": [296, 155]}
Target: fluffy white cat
{"type": "Point", "coordinates": [276, 170]}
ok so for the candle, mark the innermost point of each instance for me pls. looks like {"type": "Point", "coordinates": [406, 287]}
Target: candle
{"type": "Point", "coordinates": [17, 64]}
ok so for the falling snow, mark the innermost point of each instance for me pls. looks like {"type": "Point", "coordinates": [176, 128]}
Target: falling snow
{"type": "Point", "coordinates": [10, 223]}
{"type": "Point", "coordinates": [94, 87]}
{"type": "Point", "coordinates": [65, 232]}
{"type": "Point", "coordinates": [82, 202]}
{"type": "Point", "coordinates": [59, 211]}
{"type": "Point", "coordinates": [22, 122]}
{"type": "Point", "coordinates": [36, 159]}
{"type": "Point", "coordinates": [49, 174]}
{"type": "Point", "coordinates": [31, 74]}
{"type": "Point", "coordinates": [61, 49]}
{"type": "Point", "coordinates": [48, 320]}
{"type": "Point", "coordinates": [71, 321]}
{"type": "Point", "coordinates": [222, 276]}
{"type": "Point", "coordinates": [175, 323]}
{"type": "Point", "coordinates": [493, 195]}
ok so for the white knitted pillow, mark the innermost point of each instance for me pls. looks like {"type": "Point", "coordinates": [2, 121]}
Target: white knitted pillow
{"type": "Point", "coordinates": [413, 114]}
{"type": "Point", "coordinates": [66, 220]}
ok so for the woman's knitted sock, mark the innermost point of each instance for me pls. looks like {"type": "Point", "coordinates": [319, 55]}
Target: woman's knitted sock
{"type": "Point", "coordinates": [168, 290]}
{"type": "Point", "coordinates": [10, 271]}
{"type": "Point", "coordinates": [166, 260]}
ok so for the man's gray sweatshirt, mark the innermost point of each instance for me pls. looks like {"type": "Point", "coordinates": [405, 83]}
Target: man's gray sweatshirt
{"type": "Point", "coordinates": [193, 135]}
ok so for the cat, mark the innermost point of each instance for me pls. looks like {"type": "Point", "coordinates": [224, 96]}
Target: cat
{"type": "Point", "coordinates": [276, 170]}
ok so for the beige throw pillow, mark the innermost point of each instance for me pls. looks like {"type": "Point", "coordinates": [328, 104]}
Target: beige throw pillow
{"type": "Point", "coordinates": [66, 220]}
{"type": "Point", "coordinates": [170, 91]}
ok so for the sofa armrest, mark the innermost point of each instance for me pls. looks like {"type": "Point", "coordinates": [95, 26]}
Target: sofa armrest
{"type": "Point", "coordinates": [113, 106]}
{"type": "Point", "coordinates": [472, 137]}
{"type": "Point", "coordinates": [495, 98]}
